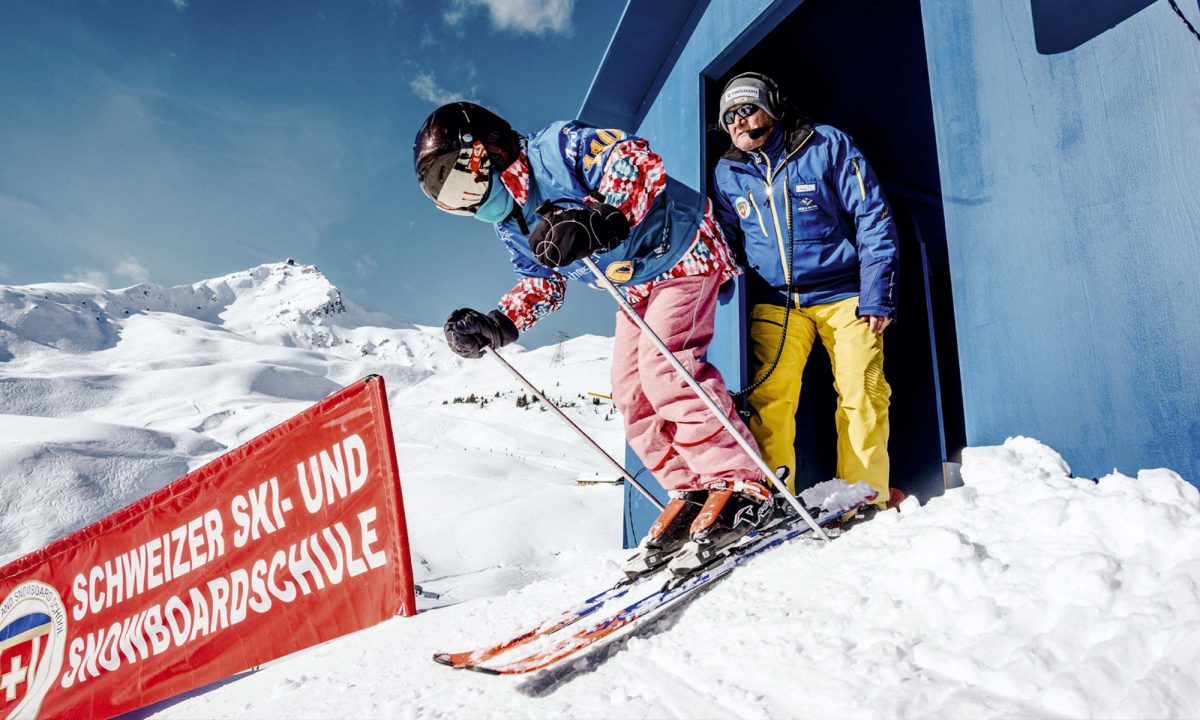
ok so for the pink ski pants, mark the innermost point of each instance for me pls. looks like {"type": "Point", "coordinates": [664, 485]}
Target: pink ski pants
{"type": "Point", "coordinates": [668, 426]}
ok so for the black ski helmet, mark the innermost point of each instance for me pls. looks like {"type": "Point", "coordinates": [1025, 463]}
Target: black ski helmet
{"type": "Point", "coordinates": [455, 152]}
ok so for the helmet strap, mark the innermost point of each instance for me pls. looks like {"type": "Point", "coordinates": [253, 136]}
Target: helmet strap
{"type": "Point", "coordinates": [518, 212]}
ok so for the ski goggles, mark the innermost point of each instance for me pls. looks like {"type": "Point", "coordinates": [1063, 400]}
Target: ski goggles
{"type": "Point", "coordinates": [743, 111]}
{"type": "Point", "coordinates": [464, 178]}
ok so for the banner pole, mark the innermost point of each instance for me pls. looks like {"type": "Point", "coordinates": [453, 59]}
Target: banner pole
{"type": "Point", "coordinates": [616, 465]}
{"type": "Point", "coordinates": [708, 401]}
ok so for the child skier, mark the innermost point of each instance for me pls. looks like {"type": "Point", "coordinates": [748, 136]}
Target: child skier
{"type": "Point", "coordinates": [653, 237]}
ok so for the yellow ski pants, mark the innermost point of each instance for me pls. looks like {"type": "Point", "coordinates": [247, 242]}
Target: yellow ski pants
{"type": "Point", "coordinates": [863, 394]}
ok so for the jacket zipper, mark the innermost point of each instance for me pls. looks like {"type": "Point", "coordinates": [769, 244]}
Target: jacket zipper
{"type": "Point", "coordinates": [768, 184]}
{"type": "Point", "coordinates": [787, 204]}
{"type": "Point", "coordinates": [787, 271]}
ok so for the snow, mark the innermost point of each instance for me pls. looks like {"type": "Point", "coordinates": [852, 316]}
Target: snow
{"type": "Point", "coordinates": [1026, 592]}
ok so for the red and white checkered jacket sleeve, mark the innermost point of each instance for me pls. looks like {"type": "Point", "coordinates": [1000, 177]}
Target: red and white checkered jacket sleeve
{"type": "Point", "coordinates": [532, 299]}
{"type": "Point", "coordinates": [633, 177]}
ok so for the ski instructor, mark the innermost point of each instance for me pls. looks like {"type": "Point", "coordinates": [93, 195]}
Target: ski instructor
{"type": "Point", "coordinates": [802, 204]}
{"type": "Point", "coordinates": [610, 199]}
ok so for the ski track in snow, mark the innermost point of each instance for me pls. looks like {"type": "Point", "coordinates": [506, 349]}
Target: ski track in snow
{"type": "Point", "coordinates": [1024, 593]}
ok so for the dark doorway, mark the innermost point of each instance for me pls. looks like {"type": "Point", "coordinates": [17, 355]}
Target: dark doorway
{"type": "Point", "coordinates": [1063, 25]}
{"type": "Point", "coordinates": [860, 66]}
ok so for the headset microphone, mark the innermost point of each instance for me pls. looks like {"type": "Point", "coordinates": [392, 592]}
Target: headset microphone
{"type": "Point", "coordinates": [758, 132]}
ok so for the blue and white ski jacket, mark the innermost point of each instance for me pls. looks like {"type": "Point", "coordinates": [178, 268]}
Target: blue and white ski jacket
{"type": "Point", "coordinates": [809, 188]}
{"type": "Point", "coordinates": [567, 160]}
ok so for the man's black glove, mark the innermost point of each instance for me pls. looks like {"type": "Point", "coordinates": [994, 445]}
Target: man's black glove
{"type": "Point", "coordinates": [567, 234]}
{"type": "Point", "coordinates": [469, 331]}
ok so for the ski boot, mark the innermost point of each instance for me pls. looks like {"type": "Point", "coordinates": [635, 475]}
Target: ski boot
{"type": "Point", "coordinates": [784, 512]}
{"type": "Point", "coordinates": [868, 512]}
{"type": "Point", "coordinates": [728, 514]}
{"type": "Point", "coordinates": [668, 533]}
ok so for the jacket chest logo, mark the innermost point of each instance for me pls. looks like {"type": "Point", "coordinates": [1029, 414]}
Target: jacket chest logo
{"type": "Point", "coordinates": [806, 205]}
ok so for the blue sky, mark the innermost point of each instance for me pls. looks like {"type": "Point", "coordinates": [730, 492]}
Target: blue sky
{"type": "Point", "coordinates": [170, 141]}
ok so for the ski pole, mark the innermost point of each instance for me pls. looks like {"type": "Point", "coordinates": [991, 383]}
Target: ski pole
{"type": "Point", "coordinates": [616, 465]}
{"type": "Point", "coordinates": [708, 401]}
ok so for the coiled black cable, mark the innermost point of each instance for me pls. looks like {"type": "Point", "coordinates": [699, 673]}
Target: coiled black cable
{"type": "Point", "coordinates": [787, 303]}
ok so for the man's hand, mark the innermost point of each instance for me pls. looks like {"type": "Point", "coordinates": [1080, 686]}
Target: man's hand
{"type": "Point", "coordinates": [469, 331]}
{"type": "Point", "coordinates": [567, 234]}
{"type": "Point", "coordinates": [877, 323]}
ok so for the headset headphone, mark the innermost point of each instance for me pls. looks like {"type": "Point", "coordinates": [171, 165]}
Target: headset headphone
{"type": "Point", "coordinates": [778, 100]}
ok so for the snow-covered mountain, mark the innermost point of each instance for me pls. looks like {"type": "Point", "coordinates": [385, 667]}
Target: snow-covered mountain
{"type": "Point", "coordinates": [1025, 593]}
{"type": "Point", "coordinates": [108, 395]}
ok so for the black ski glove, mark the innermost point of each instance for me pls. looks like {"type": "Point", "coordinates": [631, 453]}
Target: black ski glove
{"type": "Point", "coordinates": [469, 331]}
{"type": "Point", "coordinates": [567, 234]}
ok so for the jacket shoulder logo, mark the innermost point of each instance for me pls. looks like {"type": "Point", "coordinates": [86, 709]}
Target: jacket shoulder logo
{"type": "Point", "coordinates": [742, 205]}
{"type": "Point", "coordinates": [600, 144]}
{"type": "Point", "coordinates": [619, 272]}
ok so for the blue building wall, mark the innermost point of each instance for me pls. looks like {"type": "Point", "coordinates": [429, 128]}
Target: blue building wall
{"type": "Point", "coordinates": [1069, 148]}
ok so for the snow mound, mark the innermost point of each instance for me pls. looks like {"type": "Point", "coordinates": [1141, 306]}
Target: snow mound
{"type": "Point", "coordinates": [1026, 593]}
{"type": "Point", "coordinates": [59, 476]}
{"type": "Point", "coordinates": [70, 318]}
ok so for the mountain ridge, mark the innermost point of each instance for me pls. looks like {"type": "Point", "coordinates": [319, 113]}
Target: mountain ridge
{"type": "Point", "coordinates": [106, 395]}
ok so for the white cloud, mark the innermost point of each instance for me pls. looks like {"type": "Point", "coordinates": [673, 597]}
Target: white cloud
{"type": "Point", "coordinates": [130, 269]}
{"type": "Point", "coordinates": [87, 276]}
{"type": "Point", "coordinates": [426, 87]}
{"type": "Point", "coordinates": [180, 5]}
{"type": "Point", "coordinates": [126, 268]}
{"type": "Point", "coordinates": [365, 265]}
{"type": "Point", "coordinates": [536, 17]}
{"type": "Point", "coordinates": [428, 39]}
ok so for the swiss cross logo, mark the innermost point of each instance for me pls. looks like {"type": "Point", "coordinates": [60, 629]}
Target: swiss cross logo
{"type": "Point", "coordinates": [477, 153]}
{"type": "Point", "coordinates": [20, 650]}
{"type": "Point", "coordinates": [33, 624]}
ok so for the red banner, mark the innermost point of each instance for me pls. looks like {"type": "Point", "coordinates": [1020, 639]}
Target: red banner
{"type": "Point", "coordinates": [292, 539]}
